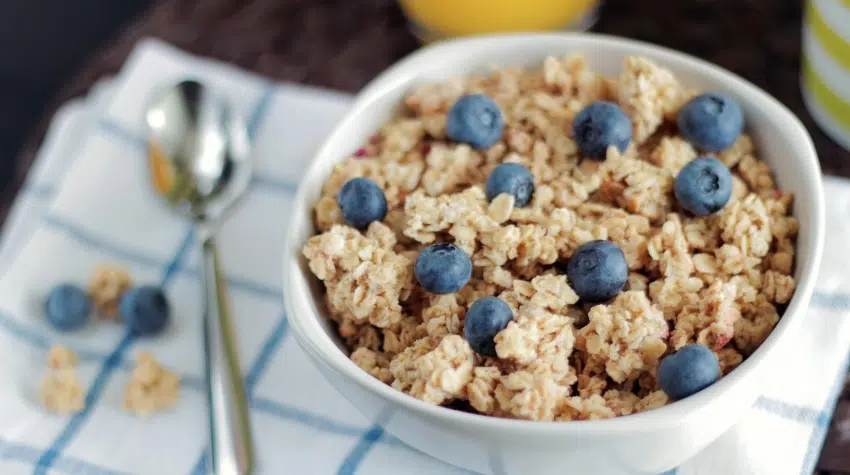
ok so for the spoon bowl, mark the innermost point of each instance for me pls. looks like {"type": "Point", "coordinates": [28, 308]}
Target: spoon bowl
{"type": "Point", "coordinates": [199, 152]}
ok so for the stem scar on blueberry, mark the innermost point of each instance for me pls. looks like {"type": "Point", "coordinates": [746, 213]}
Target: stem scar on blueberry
{"type": "Point", "coordinates": [703, 186]}
{"type": "Point", "coordinates": [708, 181]}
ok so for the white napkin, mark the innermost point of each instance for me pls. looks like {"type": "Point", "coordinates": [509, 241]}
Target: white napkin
{"type": "Point", "coordinates": [86, 202]}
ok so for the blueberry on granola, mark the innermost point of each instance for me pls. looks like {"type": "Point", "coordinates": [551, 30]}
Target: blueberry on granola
{"type": "Point", "coordinates": [145, 310]}
{"type": "Point", "coordinates": [597, 271]}
{"type": "Point", "coordinates": [67, 307]}
{"type": "Point", "coordinates": [443, 268]}
{"type": "Point", "coordinates": [475, 119]}
{"type": "Point", "coordinates": [688, 371]}
{"type": "Point", "coordinates": [513, 179]}
{"type": "Point", "coordinates": [600, 125]}
{"type": "Point", "coordinates": [703, 186]}
{"type": "Point", "coordinates": [485, 318]}
{"type": "Point", "coordinates": [361, 201]}
{"type": "Point", "coordinates": [711, 122]}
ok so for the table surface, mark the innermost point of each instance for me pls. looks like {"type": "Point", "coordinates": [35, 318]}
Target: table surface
{"type": "Point", "coordinates": [342, 44]}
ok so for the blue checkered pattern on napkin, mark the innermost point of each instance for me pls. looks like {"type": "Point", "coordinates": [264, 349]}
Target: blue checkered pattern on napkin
{"type": "Point", "coordinates": [86, 202]}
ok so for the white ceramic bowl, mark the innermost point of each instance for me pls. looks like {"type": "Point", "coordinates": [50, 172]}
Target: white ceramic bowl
{"type": "Point", "coordinates": [646, 443]}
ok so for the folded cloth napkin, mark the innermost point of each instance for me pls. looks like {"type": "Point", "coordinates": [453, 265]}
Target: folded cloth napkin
{"type": "Point", "coordinates": [86, 202]}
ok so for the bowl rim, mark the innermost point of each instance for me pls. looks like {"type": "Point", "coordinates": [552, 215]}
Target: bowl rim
{"type": "Point", "coordinates": [325, 352]}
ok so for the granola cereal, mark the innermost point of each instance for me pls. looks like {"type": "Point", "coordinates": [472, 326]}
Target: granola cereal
{"type": "Point", "coordinates": [106, 285]}
{"type": "Point", "coordinates": [61, 391]}
{"type": "Point", "coordinates": [718, 280]}
{"type": "Point", "coordinates": [60, 357]}
{"type": "Point", "coordinates": [151, 388]}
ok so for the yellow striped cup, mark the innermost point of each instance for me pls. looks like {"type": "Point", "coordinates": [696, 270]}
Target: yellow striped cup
{"type": "Point", "coordinates": [826, 66]}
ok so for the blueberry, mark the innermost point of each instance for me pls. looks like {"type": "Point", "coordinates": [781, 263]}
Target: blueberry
{"type": "Point", "coordinates": [485, 318]}
{"type": "Point", "coordinates": [597, 271]}
{"type": "Point", "coordinates": [67, 307]}
{"type": "Point", "coordinates": [703, 186]}
{"type": "Point", "coordinates": [511, 178]}
{"type": "Point", "coordinates": [711, 122]}
{"type": "Point", "coordinates": [443, 268]}
{"type": "Point", "coordinates": [145, 310]}
{"type": "Point", "coordinates": [687, 371]}
{"type": "Point", "coordinates": [600, 125]}
{"type": "Point", "coordinates": [475, 119]}
{"type": "Point", "coordinates": [361, 202]}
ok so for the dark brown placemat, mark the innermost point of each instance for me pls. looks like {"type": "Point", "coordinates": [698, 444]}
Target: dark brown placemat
{"type": "Point", "coordinates": [342, 44]}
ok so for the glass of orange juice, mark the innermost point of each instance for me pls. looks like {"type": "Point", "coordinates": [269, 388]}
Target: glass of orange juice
{"type": "Point", "coordinates": [437, 19]}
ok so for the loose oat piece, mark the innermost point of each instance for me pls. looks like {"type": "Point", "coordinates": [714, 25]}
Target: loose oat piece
{"type": "Point", "coordinates": [717, 280]}
{"type": "Point", "coordinates": [60, 357]}
{"type": "Point", "coordinates": [152, 388]}
{"type": "Point", "coordinates": [61, 392]}
{"type": "Point", "coordinates": [108, 282]}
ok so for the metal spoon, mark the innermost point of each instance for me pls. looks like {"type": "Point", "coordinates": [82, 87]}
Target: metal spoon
{"type": "Point", "coordinates": [198, 155]}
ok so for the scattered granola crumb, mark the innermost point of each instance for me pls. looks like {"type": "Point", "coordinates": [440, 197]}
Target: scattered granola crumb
{"type": "Point", "coordinates": [108, 282]}
{"type": "Point", "coordinates": [61, 391]}
{"type": "Point", "coordinates": [60, 357]}
{"type": "Point", "coordinates": [151, 388]}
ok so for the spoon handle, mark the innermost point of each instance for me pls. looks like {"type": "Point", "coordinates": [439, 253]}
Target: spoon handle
{"type": "Point", "coordinates": [231, 447]}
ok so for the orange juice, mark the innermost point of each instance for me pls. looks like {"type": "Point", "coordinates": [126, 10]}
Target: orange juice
{"type": "Point", "coordinates": [447, 18]}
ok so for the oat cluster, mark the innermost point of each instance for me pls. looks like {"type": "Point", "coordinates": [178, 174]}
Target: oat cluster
{"type": "Point", "coordinates": [151, 388]}
{"type": "Point", "coordinates": [106, 285]}
{"type": "Point", "coordinates": [719, 280]}
{"type": "Point", "coordinates": [61, 391]}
